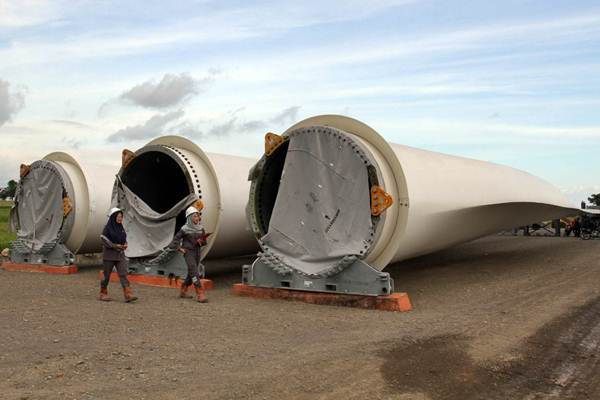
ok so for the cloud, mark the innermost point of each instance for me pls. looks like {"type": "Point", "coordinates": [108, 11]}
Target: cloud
{"type": "Point", "coordinates": [287, 116]}
{"type": "Point", "coordinates": [155, 126]}
{"type": "Point", "coordinates": [109, 35]}
{"type": "Point", "coordinates": [171, 122]}
{"type": "Point", "coordinates": [72, 143]}
{"type": "Point", "coordinates": [73, 124]}
{"type": "Point", "coordinates": [254, 126]}
{"type": "Point", "coordinates": [580, 193]}
{"type": "Point", "coordinates": [169, 91]}
{"type": "Point", "coordinates": [10, 103]}
{"type": "Point", "coordinates": [225, 128]}
{"type": "Point", "coordinates": [24, 13]}
{"type": "Point", "coordinates": [236, 125]}
{"type": "Point", "coordinates": [187, 129]}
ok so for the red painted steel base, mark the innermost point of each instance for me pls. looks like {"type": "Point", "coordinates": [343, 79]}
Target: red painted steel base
{"type": "Point", "coordinates": [50, 269]}
{"type": "Point", "coordinates": [398, 302]}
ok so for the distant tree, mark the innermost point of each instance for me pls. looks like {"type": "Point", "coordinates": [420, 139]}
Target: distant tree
{"type": "Point", "coordinates": [9, 190]}
{"type": "Point", "coordinates": [595, 199]}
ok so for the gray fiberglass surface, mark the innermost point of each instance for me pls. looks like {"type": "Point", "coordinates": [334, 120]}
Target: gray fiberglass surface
{"type": "Point", "coordinates": [37, 216]}
{"type": "Point", "coordinates": [321, 212]}
{"type": "Point", "coordinates": [153, 191]}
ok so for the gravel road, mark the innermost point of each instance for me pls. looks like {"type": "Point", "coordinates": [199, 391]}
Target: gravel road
{"type": "Point", "coordinates": [497, 318]}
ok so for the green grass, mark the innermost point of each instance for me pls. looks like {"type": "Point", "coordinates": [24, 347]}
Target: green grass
{"type": "Point", "coordinates": [5, 235]}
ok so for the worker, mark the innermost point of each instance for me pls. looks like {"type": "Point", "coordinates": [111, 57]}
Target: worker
{"type": "Point", "coordinates": [568, 228]}
{"type": "Point", "coordinates": [114, 244]}
{"type": "Point", "coordinates": [573, 226]}
{"type": "Point", "coordinates": [577, 227]}
{"type": "Point", "coordinates": [189, 241]}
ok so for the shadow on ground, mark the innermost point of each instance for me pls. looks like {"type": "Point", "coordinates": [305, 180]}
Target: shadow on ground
{"type": "Point", "coordinates": [560, 361]}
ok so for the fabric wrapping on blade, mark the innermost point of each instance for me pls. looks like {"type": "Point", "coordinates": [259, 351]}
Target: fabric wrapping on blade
{"type": "Point", "coordinates": [148, 232]}
{"type": "Point", "coordinates": [37, 215]}
{"type": "Point", "coordinates": [322, 211]}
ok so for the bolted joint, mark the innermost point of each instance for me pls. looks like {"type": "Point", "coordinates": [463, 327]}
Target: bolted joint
{"type": "Point", "coordinates": [380, 200]}
{"type": "Point", "coordinates": [272, 142]}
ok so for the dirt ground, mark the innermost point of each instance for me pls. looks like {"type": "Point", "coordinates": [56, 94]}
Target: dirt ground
{"type": "Point", "coordinates": [498, 318]}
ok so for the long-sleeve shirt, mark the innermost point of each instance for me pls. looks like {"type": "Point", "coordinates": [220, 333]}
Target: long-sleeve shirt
{"type": "Point", "coordinates": [188, 241]}
{"type": "Point", "coordinates": [110, 251]}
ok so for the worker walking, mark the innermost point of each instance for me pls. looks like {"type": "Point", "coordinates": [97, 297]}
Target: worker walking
{"type": "Point", "coordinates": [189, 241]}
{"type": "Point", "coordinates": [114, 244]}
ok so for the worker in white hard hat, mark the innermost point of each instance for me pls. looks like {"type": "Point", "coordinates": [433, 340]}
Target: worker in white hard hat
{"type": "Point", "coordinates": [189, 241]}
{"type": "Point", "coordinates": [114, 244]}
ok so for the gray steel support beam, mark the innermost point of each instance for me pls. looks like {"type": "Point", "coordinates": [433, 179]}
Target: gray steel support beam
{"type": "Point", "coordinates": [358, 278]}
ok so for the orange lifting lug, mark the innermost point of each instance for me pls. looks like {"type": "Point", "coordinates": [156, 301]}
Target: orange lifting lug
{"type": "Point", "coordinates": [272, 142]}
{"type": "Point", "coordinates": [198, 205]}
{"type": "Point", "coordinates": [24, 170]}
{"type": "Point", "coordinates": [67, 206]}
{"type": "Point", "coordinates": [126, 157]}
{"type": "Point", "coordinates": [380, 200]}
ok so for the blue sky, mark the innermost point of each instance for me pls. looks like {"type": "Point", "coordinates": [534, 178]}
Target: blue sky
{"type": "Point", "coordinates": [514, 82]}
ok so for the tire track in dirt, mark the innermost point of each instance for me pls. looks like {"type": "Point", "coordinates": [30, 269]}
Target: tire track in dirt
{"type": "Point", "coordinates": [560, 361]}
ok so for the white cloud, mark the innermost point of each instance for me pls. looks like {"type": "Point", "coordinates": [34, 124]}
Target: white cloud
{"type": "Point", "coordinates": [215, 25]}
{"type": "Point", "coordinates": [10, 102]}
{"type": "Point", "coordinates": [44, 143]}
{"type": "Point", "coordinates": [23, 13]}
{"type": "Point", "coordinates": [376, 49]}
{"type": "Point", "coordinates": [169, 91]}
{"type": "Point", "coordinates": [238, 125]}
{"type": "Point", "coordinates": [287, 116]}
{"type": "Point", "coordinates": [580, 193]}
{"type": "Point", "coordinates": [471, 132]}
{"type": "Point", "coordinates": [218, 127]}
{"type": "Point", "coordinates": [153, 127]}
{"type": "Point", "coordinates": [73, 124]}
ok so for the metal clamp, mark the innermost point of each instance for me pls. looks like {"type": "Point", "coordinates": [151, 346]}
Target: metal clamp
{"type": "Point", "coordinates": [272, 142]}
{"type": "Point", "coordinates": [126, 157]}
{"type": "Point", "coordinates": [67, 206]}
{"type": "Point", "coordinates": [380, 200]}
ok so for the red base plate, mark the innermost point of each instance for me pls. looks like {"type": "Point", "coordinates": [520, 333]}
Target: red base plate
{"type": "Point", "coordinates": [50, 269]}
{"type": "Point", "coordinates": [398, 302]}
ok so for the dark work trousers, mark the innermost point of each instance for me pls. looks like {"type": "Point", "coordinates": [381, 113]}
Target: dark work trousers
{"type": "Point", "coordinates": [192, 259]}
{"type": "Point", "coordinates": [108, 266]}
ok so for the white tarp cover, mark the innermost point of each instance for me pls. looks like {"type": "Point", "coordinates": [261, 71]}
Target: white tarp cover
{"type": "Point", "coordinates": [322, 211]}
{"type": "Point", "coordinates": [148, 232]}
{"type": "Point", "coordinates": [37, 215]}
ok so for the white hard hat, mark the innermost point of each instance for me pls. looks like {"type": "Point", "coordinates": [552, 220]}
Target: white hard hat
{"type": "Point", "coordinates": [113, 210]}
{"type": "Point", "coordinates": [191, 210]}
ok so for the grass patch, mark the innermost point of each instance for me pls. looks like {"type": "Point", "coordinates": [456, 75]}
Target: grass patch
{"type": "Point", "coordinates": [5, 235]}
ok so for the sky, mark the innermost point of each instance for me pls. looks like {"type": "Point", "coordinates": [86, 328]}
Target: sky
{"type": "Point", "coordinates": [512, 82]}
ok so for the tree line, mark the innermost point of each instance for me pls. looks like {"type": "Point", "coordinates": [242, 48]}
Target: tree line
{"type": "Point", "coordinates": [9, 190]}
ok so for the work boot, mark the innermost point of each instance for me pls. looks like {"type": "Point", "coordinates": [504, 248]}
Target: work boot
{"type": "Point", "coordinates": [183, 292]}
{"type": "Point", "coordinates": [200, 295]}
{"type": "Point", "coordinates": [104, 294]}
{"type": "Point", "coordinates": [129, 297]}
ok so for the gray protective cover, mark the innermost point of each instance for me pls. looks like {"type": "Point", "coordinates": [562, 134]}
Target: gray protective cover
{"type": "Point", "coordinates": [37, 215]}
{"type": "Point", "coordinates": [148, 232]}
{"type": "Point", "coordinates": [322, 210]}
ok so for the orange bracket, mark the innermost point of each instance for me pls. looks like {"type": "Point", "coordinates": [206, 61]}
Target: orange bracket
{"type": "Point", "coordinates": [126, 157]}
{"type": "Point", "coordinates": [24, 170]}
{"type": "Point", "coordinates": [198, 205]}
{"type": "Point", "coordinates": [272, 142]}
{"type": "Point", "coordinates": [380, 200]}
{"type": "Point", "coordinates": [67, 206]}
